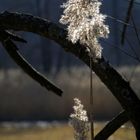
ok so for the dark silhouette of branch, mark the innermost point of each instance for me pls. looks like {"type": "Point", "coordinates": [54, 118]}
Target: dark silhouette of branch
{"type": "Point", "coordinates": [119, 21]}
{"type": "Point", "coordinates": [7, 34]}
{"type": "Point", "coordinates": [119, 87]}
{"type": "Point", "coordinates": [116, 19]}
{"type": "Point", "coordinates": [112, 126]}
{"type": "Point", "coordinates": [130, 44]}
{"type": "Point", "coordinates": [128, 15]}
{"type": "Point", "coordinates": [11, 48]}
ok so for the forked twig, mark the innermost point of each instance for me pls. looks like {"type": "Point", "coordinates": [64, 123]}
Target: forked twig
{"type": "Point", "coordinates": [12, 50]}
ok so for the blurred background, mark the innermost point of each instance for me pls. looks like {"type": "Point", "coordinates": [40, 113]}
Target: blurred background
{"type": "Point", "coordinates": [24, 100]}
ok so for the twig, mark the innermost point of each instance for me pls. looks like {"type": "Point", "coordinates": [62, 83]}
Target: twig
{"type": "Point", "coordinates": [119, 21]}
{"type": "Point", "coordinates": [132, 48]}
{"type": "Point", "coordinates": [12, 36]}
{"type": "Point", "coordinates": [128, 15]}
{"type": "Point", "coordinates": [136, 31]}
{"type": "Point", "coordinates": [121, 50]}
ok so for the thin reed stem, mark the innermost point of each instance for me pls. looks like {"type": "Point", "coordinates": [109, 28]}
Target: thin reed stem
{"type": "Point", "coordinates": [91, 102]}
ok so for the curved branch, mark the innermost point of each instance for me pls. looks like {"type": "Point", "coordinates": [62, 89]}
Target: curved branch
{"type": "Point", "coordinates": [112, 126]}
{"type": "Point", "coordinates": [109, 76]}
{"type": "Point", "coordinates": [11, 48]}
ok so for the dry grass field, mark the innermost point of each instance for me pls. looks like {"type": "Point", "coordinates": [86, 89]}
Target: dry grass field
{"type": "Point", "coordinates": [57, 132]}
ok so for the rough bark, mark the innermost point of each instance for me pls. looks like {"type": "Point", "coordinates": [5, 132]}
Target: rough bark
{"type": "Point", "coordinates": [109, 76]}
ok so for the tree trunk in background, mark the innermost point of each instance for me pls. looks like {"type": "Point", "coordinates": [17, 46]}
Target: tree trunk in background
{"type": "Point", "coordinates": [116, 33]}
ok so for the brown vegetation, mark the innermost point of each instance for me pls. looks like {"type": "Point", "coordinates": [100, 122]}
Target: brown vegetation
{"type": "Point", "coordinates": [58, 132]}
{"type": "Point", "coordinates": [22, 98]}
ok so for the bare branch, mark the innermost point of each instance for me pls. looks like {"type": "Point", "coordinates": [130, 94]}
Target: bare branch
{"type": "Point", "coordinates": [12, 50]}
{"type": "Point", "coordinates": [24, 22]}
{"type": "Point", "coordinates": [109, 76]}
{"type": "Point", "coordinates": [112, 126]}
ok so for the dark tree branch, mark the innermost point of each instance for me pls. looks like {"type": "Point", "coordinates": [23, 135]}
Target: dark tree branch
{"type": "Point", "coordinates": [11, 48]}
{"type": "Point", "coordinates": [128, 15]}
{"type": "Point", "coordinates": [109, 76]}
{"type": "Point", "coordinates": [112, 126]}
{"type": "Point", "coordinates": [7, 34]}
